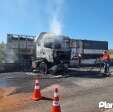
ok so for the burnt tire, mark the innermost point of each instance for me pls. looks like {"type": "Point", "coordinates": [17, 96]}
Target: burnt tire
{"type": "Point", "coordinates": [43, 69]}
{"type": "Point", "coordinates": [56, 69]}
{"type": "Point", "coordinates": [53, 70]}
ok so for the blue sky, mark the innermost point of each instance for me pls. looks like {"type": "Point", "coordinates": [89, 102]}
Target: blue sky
{"type": "Point", "coordinates": [84, 19]}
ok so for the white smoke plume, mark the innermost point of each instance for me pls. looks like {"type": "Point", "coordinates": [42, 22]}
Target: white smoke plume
{"type": "Point", "coordinates": [10, 56]}
{"type": "Point", "coordinates": [56, 15]}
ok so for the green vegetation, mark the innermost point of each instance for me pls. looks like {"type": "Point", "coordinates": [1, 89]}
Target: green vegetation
{"type": "Point", "coordinates": [2, 52]}
{"type": "Point", "coordinates": [111, 53]}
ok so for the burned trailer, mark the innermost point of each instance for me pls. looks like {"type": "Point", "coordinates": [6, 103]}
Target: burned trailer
{"type": "Point", "coordinates": [20, 50]}
{"type": "Point", "coordinates": [52, 53]}
{"type": "Point", "coordinates": [90, 51]}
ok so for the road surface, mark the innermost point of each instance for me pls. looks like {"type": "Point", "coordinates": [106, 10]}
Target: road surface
{"type": "Point", "coordinates": [80, 91]}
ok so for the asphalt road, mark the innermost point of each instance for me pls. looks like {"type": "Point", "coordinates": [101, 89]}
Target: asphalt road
{"type": "Point", "coordinates": [80, 91]}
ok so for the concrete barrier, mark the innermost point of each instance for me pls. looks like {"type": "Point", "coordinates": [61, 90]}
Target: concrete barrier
{"type": "Point", "coordinates": [8, 67]}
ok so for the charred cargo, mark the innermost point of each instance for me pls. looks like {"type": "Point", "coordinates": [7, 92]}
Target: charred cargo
{"type": "Point", "coordinates": [90, 50]}
{"type": "Point", "coordinates": [21, 49]}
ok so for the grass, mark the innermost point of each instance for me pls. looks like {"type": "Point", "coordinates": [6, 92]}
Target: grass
{"type": "Point", "coordinates": [111, 55]}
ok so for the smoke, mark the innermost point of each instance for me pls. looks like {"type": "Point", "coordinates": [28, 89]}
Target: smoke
{"type": "Point", "coordinates": [56, 15]}
{"type": "Point", "coordinates": [10, 55]}
{"type": "Point", "coordinates": [7, 55]}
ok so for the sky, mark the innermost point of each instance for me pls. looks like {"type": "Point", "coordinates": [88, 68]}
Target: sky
{"type": "Point", "coordinates": [81, 19]}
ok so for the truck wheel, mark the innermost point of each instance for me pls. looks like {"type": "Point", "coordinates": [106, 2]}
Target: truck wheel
{"type": "Point", "coordinates": [43, 68]}
{"type": "Point", "coordinates": [53, 70]}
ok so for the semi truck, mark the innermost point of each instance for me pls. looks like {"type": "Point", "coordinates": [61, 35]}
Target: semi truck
{"type": "Point", "coordinates": [55, 53]}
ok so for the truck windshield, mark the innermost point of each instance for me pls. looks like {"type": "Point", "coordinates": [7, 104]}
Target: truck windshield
{"type": "Point", "coordinates": [57, 45]}
{"type": "Point", "coordinates": [48, 44]}
{"type": "Point", "coordinates": [52, 45]}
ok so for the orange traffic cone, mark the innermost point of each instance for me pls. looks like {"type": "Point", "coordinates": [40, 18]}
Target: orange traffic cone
{"type": "Point", "coordinates": [56, 103]}
{"type": "Point", "coordinates": [36, 94]}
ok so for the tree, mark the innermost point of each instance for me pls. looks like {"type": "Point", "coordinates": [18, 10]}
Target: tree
{"type": "Point", "coordinates": [2, 52]}
{"type": "Point", "coordinates": [111, 53]}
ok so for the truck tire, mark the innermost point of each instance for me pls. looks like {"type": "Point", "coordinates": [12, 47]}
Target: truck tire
{"type": "Point", "coordinates": [53, 70]}
{"type": "Point", "coordinates": [43, 69]}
